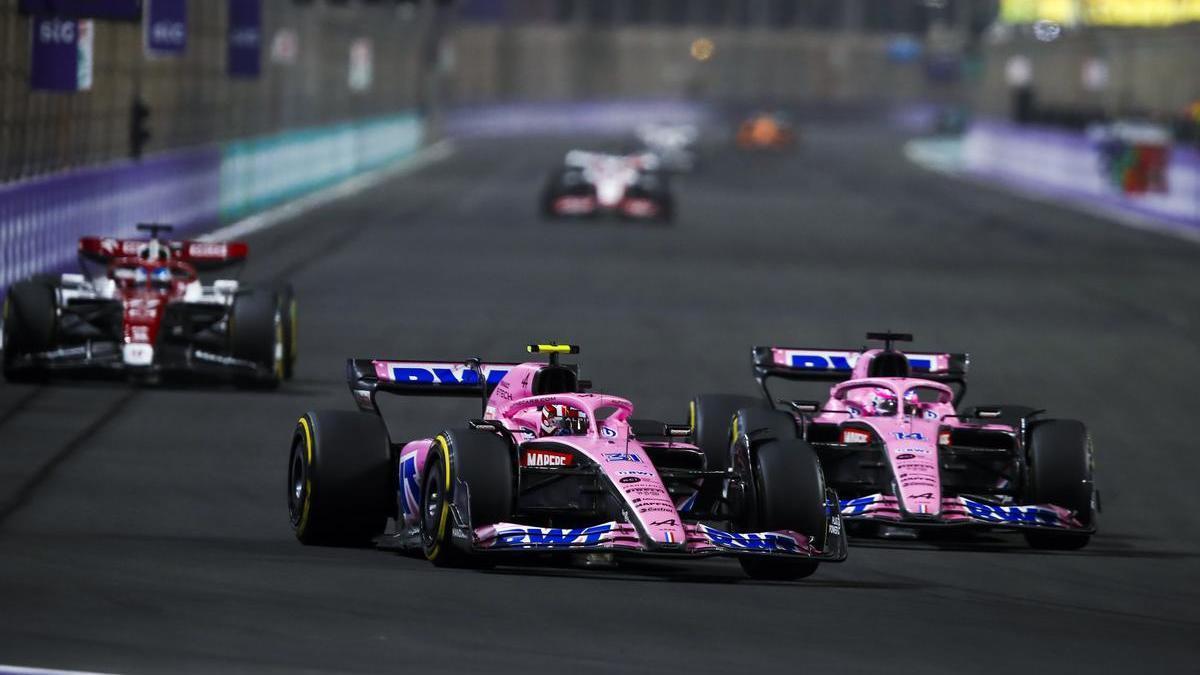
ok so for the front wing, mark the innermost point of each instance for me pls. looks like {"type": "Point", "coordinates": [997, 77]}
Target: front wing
{"type": "Point", "coordinates": [964, 511]}
{"type": "Point", "coordinates": [105, 358]}
{"type": "Point", "coordinates": [702, 540]}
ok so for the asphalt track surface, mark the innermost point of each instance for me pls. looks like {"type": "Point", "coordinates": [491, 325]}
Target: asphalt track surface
{"type": "Point", "coordinates": [155, 537]}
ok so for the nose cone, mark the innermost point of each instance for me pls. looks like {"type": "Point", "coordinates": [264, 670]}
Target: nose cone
{"type": "Point", "coordinates": [914, 456]}
{"type": "Point", "coordinates": [609, 192]}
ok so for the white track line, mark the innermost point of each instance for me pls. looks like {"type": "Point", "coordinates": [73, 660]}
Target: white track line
{"type": "Point", "coordinates": [347, 188]}
{"type": "Point", "coordinates": [22, 670]}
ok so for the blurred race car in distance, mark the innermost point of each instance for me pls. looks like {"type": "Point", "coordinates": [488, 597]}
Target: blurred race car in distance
{"type": "Point", "coordinates": [672, 144]}
{"type": "Point", "coordinates": [903, 458]}
{"type": "Point", "coordinates": [548, 467]}
{"type": "Point", "coordinates": [593, 183]}
{"type": "Point", "coordinates": [765, 131]}
{"type": "Point", "coordinates": [140, 309]}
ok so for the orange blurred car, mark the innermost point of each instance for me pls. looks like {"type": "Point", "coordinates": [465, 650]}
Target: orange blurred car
{"type": "Point", "coordinates": [765, 131]}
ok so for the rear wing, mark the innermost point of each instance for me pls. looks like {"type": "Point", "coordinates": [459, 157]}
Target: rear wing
{"type": "Point", "coordinates": [203, 255]}
{"type": "Point", "coordinates": [836, 365]}
{"type": "Point", "coordinates": [460, 379]}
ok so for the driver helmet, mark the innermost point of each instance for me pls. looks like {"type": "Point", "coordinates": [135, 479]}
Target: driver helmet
{"type": "Point", "coordinates": [162, 274]}
{"type": "Point", "coordinates": [154, 251]}
{"type": "Point", "coordinates": [882, 402]}
{"type": "Point", "coordinates": [563, 420]}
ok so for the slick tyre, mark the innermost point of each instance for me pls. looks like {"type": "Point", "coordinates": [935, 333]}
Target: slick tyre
{"type": "Point", "coordinates": [341, 489]}
{"type": "Point", "coordinates": [480, 462]}
{"type": "Point", "coordinates": [789, 494]}
{"type": "Point", "coordinates": [1060, 473]}
{"type": "Point", "coordinates": [288, 307]}
{"type": "Point", "coordinates": [711, 417]}
{"type": "Point", "coordinates": [30, 324]}
{"type": "Point", "coordinates": [763, 424]}
{"type": "Point", "coordinates": [257, 333]}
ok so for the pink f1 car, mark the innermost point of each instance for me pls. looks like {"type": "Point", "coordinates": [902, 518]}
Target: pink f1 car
{"type": "Point", "coordinates": [548, 467]}
{"type": "Point", "coordinates": [140, 309]}
{"type": "Point", "coordinates": [593, 183]}
{"type": "Point", "coordinates": [903, 457]}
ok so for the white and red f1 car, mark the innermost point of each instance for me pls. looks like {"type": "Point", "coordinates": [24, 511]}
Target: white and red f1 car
{"type": "Point", "coordinates": [140, 309]}
{"type": "Point", "coordinates": [548, 467]}
{"type": "Point", "coordinates": [593, 183]}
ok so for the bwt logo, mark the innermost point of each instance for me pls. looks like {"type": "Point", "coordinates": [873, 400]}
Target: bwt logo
{"type": "Point", "coordinates": [811, 361]}
{"type": "Point", "coordinates": [1011, 514]}
{"type": "Point", "coordinates": [752, 542]}
{"type": "Point", "coordinates": [551, 537]}
{"type": "Point", "coordinates": [854, 507]}
{"type": "Point", "coordinates": [444, 376]}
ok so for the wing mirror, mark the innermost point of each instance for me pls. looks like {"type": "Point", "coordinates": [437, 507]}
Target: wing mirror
{"type": "Point", "coordinates": [803, 407]}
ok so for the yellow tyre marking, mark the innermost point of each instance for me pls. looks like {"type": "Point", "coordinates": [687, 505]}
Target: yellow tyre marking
{"type": "Point", "coordinates": [734, 429]}
{"type": "Point", "coordinates": [441, 528]}
{"type": "Point", "coordinates": [308, 446]}
{"type": "Point", "coordinates": [692, 416]}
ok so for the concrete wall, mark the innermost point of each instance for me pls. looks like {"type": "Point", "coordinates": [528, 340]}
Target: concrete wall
{"type": "Point", "coordinates": [567, 62]}
{"type": "Point", "coordinates": [1151, 71]}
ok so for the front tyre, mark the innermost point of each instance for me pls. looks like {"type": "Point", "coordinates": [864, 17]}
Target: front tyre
{"type": "Point", "coordinates": [1060, 473]}
{"type": "Point", "coordinates": [788, 494]}
{"type": "Point", "coordinates": [30, 324]}
{"type": "Point", "coordinates": [257, 334]}
{"type": "Point", "coordinates": [482, 463]}
{"type": "Point", "coordinates": [710, 417]}
{"type": "Point", "coordinates": [341, 487]}
{"type": "Point", "coordinates": [290, 325]}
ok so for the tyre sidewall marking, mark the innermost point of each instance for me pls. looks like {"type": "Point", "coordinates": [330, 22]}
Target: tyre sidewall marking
{"type": "Point", "coordinates": [308, 447]}
{"type": "Point", "coordinates": [445, 506]}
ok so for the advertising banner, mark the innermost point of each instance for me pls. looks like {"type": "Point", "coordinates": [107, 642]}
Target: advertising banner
{"type": "Point", "coordinates": [61, 54]}
{"type": "Point", "coordinates": [245, 38]}
{"type": "Point", "coordinates": [113, 10]}
{"type": "Point", "coordinates": [165, 27]}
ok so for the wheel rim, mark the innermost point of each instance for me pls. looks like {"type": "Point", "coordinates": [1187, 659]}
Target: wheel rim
{"type": "Point", "coordinates": [297, 485]}
{"type": "Point", "coordinates": [432, 503]}
{"type": "Point", "coordinates": [277, 348]}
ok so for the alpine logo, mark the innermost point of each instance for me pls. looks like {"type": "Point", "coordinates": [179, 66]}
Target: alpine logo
{"type": "Point", "coordinates": [547, 458]}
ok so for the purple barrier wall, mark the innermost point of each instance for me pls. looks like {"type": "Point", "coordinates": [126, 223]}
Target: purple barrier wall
{"type": "Point", "coordinates": [41, 220]}
{"type": "Point", "coordinates": [608, 117]}
{"type": "Point", "coordinates": [1069, 166]}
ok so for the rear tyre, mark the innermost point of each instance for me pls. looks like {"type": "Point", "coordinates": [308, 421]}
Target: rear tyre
{"type": "Point", "coordinates": [482, 462]}
{"type": "Point", "coordinates": [257, 334]}
{"type": "Point", "coordinates": [30, 324]}
{"type": "Point", "coordinates": [1060, 473]}
{"type": "Point", "coordinates": [287, 304]}
{"type": "Point", "coordinates": [789, 494]}
{"type": "Point", "coordinates": [710, 416]}
{"type": "Point", "coordinates": [762, 424]}
{"type": "Point", "coordinates": [341, 489]}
